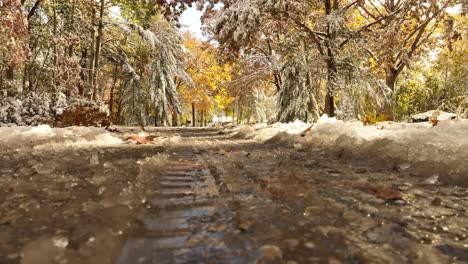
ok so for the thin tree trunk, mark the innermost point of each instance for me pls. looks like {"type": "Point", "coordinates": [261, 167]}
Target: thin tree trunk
{"type": "Point", "coordinates": [390, 81]}
{"type": "Point", "coordinates": [205, 120]}
{"type": "Point", "coordinates": [202, 115]}
{"type": "Point", "coordinates": [92, 54]}
{"type": "Point", "coordinates": [241, 115]}
{"type": "Point", "coordinates": [25, 76]}
{"type": "Point", "coordinates": [119, 106]}
{"type": "Point", "coordinates": [55, 56]}
{"type": "Point", "coordinates": [72, 24]}
{"type": "Point", "coordinates": [111, 100]}
{"type": "Point", "coordinates": [193, 114]}
{"type": "Point", "coordinates": [81, 88]}
{"type": "Point", "coordinates": [10, 77]}
{"type": "Point", "coordinates": [175, 119]}
{"type": "Point", "coordinates": [33, 9]}
{"type": "Point", "coordinates": [332, 81]}
{"type": "Point", "coordinates": [332, 71]}
{"type": "Point", "coordinates": [98, 49]}
{"type": "Point", "coordinates": [1, 82]}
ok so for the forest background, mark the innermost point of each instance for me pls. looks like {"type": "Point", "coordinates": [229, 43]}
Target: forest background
{"type": "Point", "coordinates": [89, 62]}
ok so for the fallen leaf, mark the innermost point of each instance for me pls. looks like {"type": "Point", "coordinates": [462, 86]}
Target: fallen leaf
{"type": "Point", "coordinates": [383, 192]}
{"type": "Point", "coordinates": [142, 139]}
{"type": "Point", "coordinates": [307, 131]}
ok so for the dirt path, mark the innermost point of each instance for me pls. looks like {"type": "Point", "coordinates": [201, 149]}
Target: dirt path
{"type": "Point", "coordinates": [216, 199]}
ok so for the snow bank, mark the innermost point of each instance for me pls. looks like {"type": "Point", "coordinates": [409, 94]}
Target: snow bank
{"type": "Point", "coordinates": [43, 136]}
{"type": "Point", "coordinates": [418, 149]}
{"type": "Point", "coordinates": [264, 132]}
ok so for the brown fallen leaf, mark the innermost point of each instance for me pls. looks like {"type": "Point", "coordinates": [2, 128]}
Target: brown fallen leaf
{"type": "Point", "coordinates": [304, 133]}
{"type": "Point", "coordinates": [434, 120]}
{"type": "Point", "coordinates": [142, 139]}
{"type": "Point", "coordinates": [244, 224]}
{"type": "Point", "coordinates": [384, 192]}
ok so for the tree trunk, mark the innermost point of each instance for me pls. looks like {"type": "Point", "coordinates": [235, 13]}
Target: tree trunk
{"type": "Point", "coordinates": [330, 105]}
{"type": "Point", "coordinates": [10, 77]}
{"type": "Point", "coordinates": [241, 115]}
{"type": "Point", "coordinates": [10, 73]}
{"type": "Point", "coordinates": [390, 80]}
{"type": "Point", "coordinates": [175, 119]}
{"type": "Point", "coordinates": [193, 114]}
{"type": "Point", "coordinates": [81, 88]}
{"type": "Point", "coordinates": [98, 49]}
{"type": "Point", "coordinates": [111, 100]}
{"type": "Point", "coordinates": [72, 24]}
{"type": "Point", "coordinates": [202, 115]}
{"type": "Point", "coordinates": [92, 54]}
{"type": "Point", "coordinates": [332, 82]}
{"type": "Point", "coordinates": [25, 76]}
{"type": "Point", "coordinates": [55, 50]}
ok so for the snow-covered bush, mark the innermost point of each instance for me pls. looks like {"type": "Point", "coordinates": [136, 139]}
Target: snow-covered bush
{"type": "Point", "coordinates": [10, 111]}
{"type": "Point", "coordinates": [31, 109]}
{"type": "Point", "coordinates": [59, 103]}
{"type": "Point", "coordinates": [35, 108]}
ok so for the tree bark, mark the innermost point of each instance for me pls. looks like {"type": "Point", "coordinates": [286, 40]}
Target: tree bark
{"type": "Point", "coordinates": [111, 100]}
{"type": "Point", "coordinates": [33, 9]}
{"type": "Point", "coordinates": [202, 114]}
{"type": "Point", "coordinates": [72, 24]}
{"type": "Point", "coordinates": [92, 54]}
{"type": "Point", "coordinates": [25, 76]}
{"type": "Point", "coordinates": [241, 115]}
{"type": "Point", "coordinates": [55, 50]}
{"type": "Point", "coordinates": [332, 82]}
{"type": "Point", "coordinates": [84, 56]}
{"type": "Point", "coordinates": [193, 114]}
{"type": "Point", "coordinates": [10, 77]}
{"type": "Point", "coordinates": [175, 119]}
{"type": "Point", "coordinates": [119, 106]}
{"type": "Point", "coordinates": [10, 73]}
{"type": "Point", "coordinates": [332, 70]}
{"type": "Point", "coordinates": [390, 80]}
{"type": "Point", "coordinates": [98, 49]}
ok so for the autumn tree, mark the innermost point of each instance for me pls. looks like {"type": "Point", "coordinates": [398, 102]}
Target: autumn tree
{"type": "Point", "coordinates": [13, 42]}
{"type": "Point", "coordinates": [405, 37]}
{"type": "Point", "coordinates": [328, 27]}
{"type": "Point", "coordinates": [210, 78]}
{"type": "Point", "coordinates": [437, 82]}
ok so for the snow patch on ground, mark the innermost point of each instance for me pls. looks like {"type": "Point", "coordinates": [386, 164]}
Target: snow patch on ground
{"type": "Point", "coordinates": [44, 136]}
{"type": "Point", "coordinates": [264, 132]}
{"type": "Point", "coordinates": [414, 148]}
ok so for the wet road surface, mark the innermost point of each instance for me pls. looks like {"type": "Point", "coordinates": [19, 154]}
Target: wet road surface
{"type": "Point", "coordinates": [218, 199]}
{"type": "Point", "coordinates": [231, 201]}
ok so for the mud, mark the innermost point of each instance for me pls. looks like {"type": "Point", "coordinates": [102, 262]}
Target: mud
{"type": "Point", "coordinates": [200, 196]}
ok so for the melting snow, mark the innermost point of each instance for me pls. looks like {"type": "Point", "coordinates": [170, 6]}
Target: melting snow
{"type": "Point", "coordinates": [43, 137]}
{"type": "Point", "coordinates": [416, 148]}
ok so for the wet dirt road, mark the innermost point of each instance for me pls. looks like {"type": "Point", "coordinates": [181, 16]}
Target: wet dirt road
{"type": "Point", "coordinates": [218, 199]}
{"type": "Point", "coordinates": [223, 200]}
